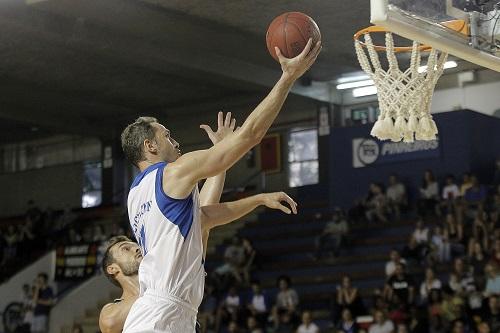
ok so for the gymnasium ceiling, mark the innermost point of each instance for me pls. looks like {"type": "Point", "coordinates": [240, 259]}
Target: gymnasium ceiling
{"type": "Point", "coordinates": [90, 66]}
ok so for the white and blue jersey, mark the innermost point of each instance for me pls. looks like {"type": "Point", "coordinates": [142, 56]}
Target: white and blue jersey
{"type": "Point", "coordinates": [169, 233]}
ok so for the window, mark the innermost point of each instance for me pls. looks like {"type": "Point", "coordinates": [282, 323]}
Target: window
{"type": "Point", "coordinates": [303, 158]}
{"type": "Point", "coordinates": [92, 184]}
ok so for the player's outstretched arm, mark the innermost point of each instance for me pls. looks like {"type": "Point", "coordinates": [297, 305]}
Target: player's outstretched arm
{"type": "Point", "coordinates": [223, 213]}
{"type": "Point", "coordinates": [181, 175]}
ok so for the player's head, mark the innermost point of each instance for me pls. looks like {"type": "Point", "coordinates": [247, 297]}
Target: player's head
{"type": "Point", "coordinates": [121, 259]}
{"type": "Point", "coordinates": [147, 140]}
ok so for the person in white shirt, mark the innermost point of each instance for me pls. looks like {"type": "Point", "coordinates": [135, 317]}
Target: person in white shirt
{"type": "Point", "coordinates": [430, 283]}
{"type": "Point", "coordinates": [450, 194]}
{"type": "Point", "coordinates": [429, 195]}
{"type": "Point", "coordinates": [396, 196]}
{"type": "Point", "coordinates": [421, 233]}
{"type": "Point", "coordinates": [390, 266]}
{"type": "Point", "coordinates": [381, 324]}
{"type": "Point", "coordinates": [307, 325]}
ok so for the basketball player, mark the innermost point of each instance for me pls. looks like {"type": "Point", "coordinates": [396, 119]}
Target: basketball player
{"type": "Point", "coordinates": [164, 207]}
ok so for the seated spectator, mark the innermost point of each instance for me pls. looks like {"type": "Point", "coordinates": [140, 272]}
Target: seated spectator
{"type": "Point", "coordinates": [455, 228]}
{"type": "Point", "coordinates": [12, 241]}
{"type": "Point", "coordinates": [496, 177]}
{"type": "Point", "coordinates": [451, 306]}
{"type": "Point", "coordinates": [253, 325]}
{"type": "Point", "coordinates": [376, 204]}
{"type": "Point", "coordinates": [421, 233]}
{"type": "Point", "coordinates": [476, 257]}
{"type": "Point", "coordinates": [466, 183]}
{"type": "Point", "coordinates": [475, 196]}
{"type": "Point", "coordinates": [412, 252]}
{"type": "Point", "coordinates": [483, 327]}
{"type": "Point", "coordinates": [396, 196]}
{"type": "Point", "coordinates": [99, 235]}
{"type": "Point", "coordinates": [450, 194]}
{"type": "Point", "coordinates": [400, 284]}
{"type": "Point", "coordinates": [461, 279]}
{"type": "Point", "coordinates": [307, 326]}
{"type": "Point", "coordinates": [284, 322]}
{"type": "Point", "coordinates": [381, 324]}
{"type": "Point", "coordinates": [458, 326]}
{"type": "Point", "coordinates": [333, 235]}
{"type": "Point", "coordinates": [398, 310]}
{"type": "Point", "coordinates": [440, 245]}
{"type": "Point", "coordinates": [430, 283]}
{"type": "Point", "coordinates": [258, 304]}
{"type": "Point", "coordinates": [434, 303]}
{"type": "Point", "coordinates": [429, 195]}
{"type": "Point", "coordinates": [479, 233]}
{"type": "Point", "coordinates": [492, 314]}
{"type": "Point", "coordinates": [234, 258]}
{"type": "Point", "coordinates": [493, 280]}
{"type": "Point", "coordinates": [436, 325]}
{"type": "Point", "coordinates": [347, 324]}
{"type": "Point", "coordinates": [229, 309]}
{"type": "Point", "coordinates": [418, 322]}
{"type": "Point", "coordinates": [287, 298]}
{"type": "Point", "coordinates": [348, 298]}
{"type": "Point", "coordinates": [390, 266]}
{"type": "Point", "coordinates": [233, 327]}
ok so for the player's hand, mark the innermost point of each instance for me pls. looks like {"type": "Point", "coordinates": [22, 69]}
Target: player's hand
{"type": "Point", "coordinates": [274, 201]}
{"type": "Point", "coordinates": [225, 127]}
{"type": "Point", "coordinates": [296, 67]}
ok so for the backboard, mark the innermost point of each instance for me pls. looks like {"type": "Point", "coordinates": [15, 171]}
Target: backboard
{"type": "Point", "coordinates": [468, 29]}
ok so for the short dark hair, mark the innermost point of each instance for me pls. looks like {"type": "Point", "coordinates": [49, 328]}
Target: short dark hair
{"type": "Point", "coordinates": [133, 137]}
{"type": "Point", "coordinates": [108, 258]}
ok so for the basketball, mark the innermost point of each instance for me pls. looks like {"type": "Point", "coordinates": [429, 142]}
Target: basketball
{"type": "Point", "coordinates": [290, 33]}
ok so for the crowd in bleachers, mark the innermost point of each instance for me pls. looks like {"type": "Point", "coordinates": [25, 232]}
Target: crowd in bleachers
{"type": "Point", "coordinates": [445, 279]}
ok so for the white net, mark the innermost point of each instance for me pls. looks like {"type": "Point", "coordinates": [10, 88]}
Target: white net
{"type": "Point", "coordinates": [404, 97]}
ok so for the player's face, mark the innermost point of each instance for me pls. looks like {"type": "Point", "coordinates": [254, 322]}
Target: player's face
{"type": "Point", "coordinates": [168, 148]}
{"type": "Point", "coordinates": [128, 256]}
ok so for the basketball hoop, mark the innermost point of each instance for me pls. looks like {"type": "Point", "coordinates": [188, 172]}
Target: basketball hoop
{"type": "Point", "coordinates": [404, 96]}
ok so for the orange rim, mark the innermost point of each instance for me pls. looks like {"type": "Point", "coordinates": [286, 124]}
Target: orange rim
{"type": "Point", "coordinates": [460, 26]}
{"type": "Point", "coordinates": [378, 48]}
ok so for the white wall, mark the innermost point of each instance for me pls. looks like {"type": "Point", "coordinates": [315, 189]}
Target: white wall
{"type": "Point", "coordinates": [74, 304]}
{"type": "Point", "coordinates": [11, 290]}
{"type": "Point", "coordinates": [484, 98]}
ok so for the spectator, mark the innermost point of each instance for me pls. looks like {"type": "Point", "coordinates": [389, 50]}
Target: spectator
{"type": "Point", "coordinates": [381, 324]}
{"type": "Point", "coordinates": [249, 258]}
{"type": "Point", "coordinates": [43, 299]}
{"type": "Point", "coordinates": [234, 258]}
{"type": "Point", "coordinates": [440, 245]}
{"type": "Point", "coordinates": [464, 280]}
{"type": "Point", "coordinates": [430, 283]}
{"type": "Point", "coordinates": [333, 234]}
{"type": "Point", "coordinates": [253, 325]}
{"type": "Point", "coordinates": [451, 306]}
{"type": "Point", "coordinates": [347, 323]}
{"type": "Point", "coordinates": [493, 280]}
{"type": "Point", "coordinates": [390, 266]}
{"type": "Point", "coordinates": [259, 304]}
{"type": "Point", "coordinates": [396, 196]}
{"type": "Point", "coordinates": [483, 328]}
{"type": "Point", "coordinates": [436, 325]}
{"type": "Point", "coordinates": [496, 177]}
{"type": "Point", "coordinates": [233, 327]}
{"type": "Point", "coordinates": [466, 183]}
{"type": "Point", "coordinates": [27, 303]}
{"type": "Point", "coordinates": [284, 323]}
{"type": "Point", "coordinates": [12, 240]}
{"type": "Point", "coordinates": [455, 229]}
{"type": "Point", "coordinates": [34, 214]}
{"type": "Point", "coordinates": [376, 204]}
{"type": "Point", "coordinates": [287, 301]}
{"type": "Point", "coordinates": [477, 258]}
{"type": "Point", "coordinates": [421, 233]}
{"type": "Point", "coordinates": [412, 252]}
{"type": "Point", "coordinates": [429, 194]}
{"type": "Point", "coordinates": [400, 284]}
{"type": "Point", "coordinates": [458, 327]}
{"type": "Point", "coordinates": [476, 195]}
{"type": "Point", "coordinates": [450, 194]}
{"type": "Point", "coordinates": [348, 297]}
{"type": "Point", "coordinates": [229, 309]}
{"type": "Point", "coordinates": [307, 325]}
{"type": "Point", "coordinates": [492, 314]}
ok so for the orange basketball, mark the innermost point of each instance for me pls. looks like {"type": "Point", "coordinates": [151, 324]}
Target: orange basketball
{"type": "Point", "coordinates": [290, 32]}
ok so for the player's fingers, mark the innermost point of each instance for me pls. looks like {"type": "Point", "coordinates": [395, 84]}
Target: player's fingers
{"type": "Point", "coordinates": [306, 49]}
{"type": "Point", "coordinates": [280, 56]}
{"type": "Point", "coordinates": [292, 204]}
{"type": "Point", "coordinates": [220, 119]}
{"type": "Point", "coordinates": [207, 128]}
{"type": "Point", "coordinates": [227, 121]}
{"type": "Point", "coordinates": [284, 209]}
{"type": "Point", "coordinates": [233, 124]}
